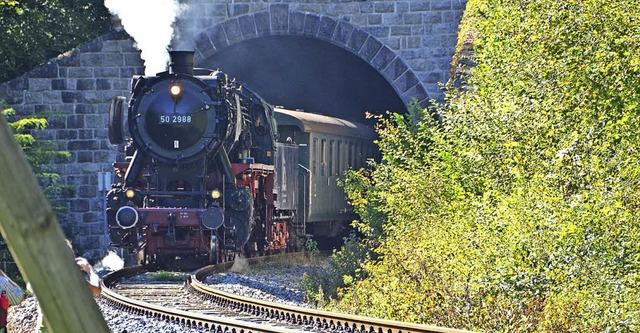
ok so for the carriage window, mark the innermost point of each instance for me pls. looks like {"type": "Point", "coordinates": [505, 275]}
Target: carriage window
{"type": "Point", "coordinates": [323, 157]}
{"type": "Point", "coordinates": [331, 159]}
{"type": "Point", "coordinates": [350, 157]}
{"type": "Point", "coordinates": [357, 153]}
{"type": "Point", "coordinates": [314, 156]}
{"type": "Point", "coordinates": [339, 158]}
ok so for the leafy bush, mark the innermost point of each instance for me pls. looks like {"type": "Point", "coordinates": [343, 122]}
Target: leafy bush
{"type": "Point", "coordinates": [39, 153]}
{"type": "Point", "coordinates": [518, 211]}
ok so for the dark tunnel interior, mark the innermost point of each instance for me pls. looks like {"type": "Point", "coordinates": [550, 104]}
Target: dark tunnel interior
{"type": "Point", "coordinates": [306, 73]}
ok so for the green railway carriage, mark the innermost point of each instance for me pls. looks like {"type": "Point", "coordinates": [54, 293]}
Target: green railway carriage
{"type": "Point", "coordinates": [328, 147]}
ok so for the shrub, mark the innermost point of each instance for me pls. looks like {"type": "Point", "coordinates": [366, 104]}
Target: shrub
{"type": "Point", "coordinates": [518, 210]}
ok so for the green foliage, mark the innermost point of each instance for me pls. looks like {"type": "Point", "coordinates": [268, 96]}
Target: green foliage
{"type": "Point", "coordinates": [343, 269]}
{"type": "Point", "coordinates": [518, 211]}
{"type": "Point", "coordinates": [33, 32]}
{"type": "Point", "coordinates": [165, 276]}
{"type": "Point", "coordinates": [39, 153]}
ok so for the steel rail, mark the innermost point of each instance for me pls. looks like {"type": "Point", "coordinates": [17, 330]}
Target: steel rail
{"type": "Point", "coordinates": [189, 319]}
{"type": "Point", "coordinates": [324, 320]}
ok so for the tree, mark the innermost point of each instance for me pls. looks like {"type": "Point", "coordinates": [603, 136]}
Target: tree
{"type": "Point", "coordinates": [519, 210]}
{"type": "Point", "coordinates": [33, 31]}
{"type": "Point", "coordinates": [39, 153]}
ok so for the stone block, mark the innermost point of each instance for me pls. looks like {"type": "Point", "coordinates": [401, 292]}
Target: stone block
{"type": "Point", "coordinates": [92, 59]}
{"type": "Point", "coordinates": [311, 24]}
{"type": "Point", "coordinates": [67, 135]}
{"type": "Point", "coordinates": [432, 18]}
{"type": "Point", "coordinates": [204, 45]}
{"type": "Point", "coordinates": [33, 97]}
{"type": "Point", "coordinates": [441, 5]}
{"type": "Point", "coordinates": [412, 18]}
{"type": "Point", "coordinates": [41, 108]}
{"type": "Point", "coordinates": [86, 84]}
{"type": "Point", "coordinates": [217, 36]}
{"type": "Point", "coordinates": [39, 84]}
{"type": "Point", "coordinates": [103, 84]}
{"type": "Point", "coordinates": [85, 134]}
{"type": "Point", "coordinates": [237, 9]}
{"type": "Point", "coordinates": [95, 120]}
{"type": "Point", "coordinates": [232, 30]}
{"type": "Point", "coordinates": [378, 31]}
{"type": "Point", "coordinates": [402, 7]}
{"type": "Point", "coordinates": [357, 39]}
{"type": "Point", "coordinates": [400, 31]}
{"type": "Point", "coordinates": [84, 157]}
{"type": "Point", "coordinates": [370, 48]}
{"type": "Point", "coordinates": [327, 27]}
{"type": "Point", "coordinates": [391, 19]}
{"type": "Point", "coordinates": [93, 46]}
{"type": "Point", "coordinates": [87, 191]}
{"type": "Point", "coordinates": [296, 23]}
{"type": "Point", "coordinates": [91, 217]}
{"type": "Point", "coordinates": [279, 17]}
{"type": "Point", "coordinates": [405, 81]}
{"type": "Point", "coordinates": [343, 33]}
{"type": "Point", "coordinates": [247, 26]}
{"type": "Point", "coordinates": [395, 69]}
{"type": "Point", "coordinates": [263, 24]}
{"type": "Point", "coordinates": [384, 7]}
{"type": "Point", "coordinates": [418, 92]}
{"type": "Point", "coordinates": [117, 59]}
{"type": "Point", "coordinates": [79, 72]}
{"type": "Point", "coordinates": [78, 179]}
{"type": "Point", "coordinates": [129, 59]}
{"type": "Point", "coordinates": [58, 84]}
{"type": "Point", "coordinates": [459, 5]}
{"type": "Point", "coordinates": [419, 6]}
{"type": "Point", "coordinates": [75, 121]}
{"type": "Point", "coordinates": [76, 145]}
{"type": "Point", "coordinates": [366, 7]}
{"type": "Point", "coordinates": [374, 19]}
{"type": "Point", "coordinates": [79, 205]}
{"type": "Point", "coordinates": [383, 58]}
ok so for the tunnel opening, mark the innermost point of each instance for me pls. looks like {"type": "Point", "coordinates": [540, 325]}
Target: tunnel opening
{"type": "Point", "coordinates": [299, 72]}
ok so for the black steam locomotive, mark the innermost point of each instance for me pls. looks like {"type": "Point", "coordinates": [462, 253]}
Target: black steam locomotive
{"type": "Point", "coordinates": [209, 169]}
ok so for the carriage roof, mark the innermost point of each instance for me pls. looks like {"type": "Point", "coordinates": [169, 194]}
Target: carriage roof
{"type": "Point", "coordinates": [317, 123]}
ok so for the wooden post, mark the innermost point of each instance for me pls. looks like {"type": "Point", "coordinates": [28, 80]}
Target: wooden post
{"type": "Point", "coordinates": [38, 245]}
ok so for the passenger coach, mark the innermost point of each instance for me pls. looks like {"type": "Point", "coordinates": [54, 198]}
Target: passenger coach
{"type": "Point", "coordinates": [327, 148]}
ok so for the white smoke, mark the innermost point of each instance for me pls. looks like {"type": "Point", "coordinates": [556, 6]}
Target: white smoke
{"type": "Point", "coordinates": [111, 262]}
{"type": "Point", "coordinates": [150, 23]}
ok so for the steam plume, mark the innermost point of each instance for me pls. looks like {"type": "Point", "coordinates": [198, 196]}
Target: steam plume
{"type": "Point", "coordinates": [150, 23]}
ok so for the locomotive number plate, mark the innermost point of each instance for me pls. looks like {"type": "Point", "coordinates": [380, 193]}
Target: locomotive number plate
{"type": "Point", "coordinates": [175, 119]}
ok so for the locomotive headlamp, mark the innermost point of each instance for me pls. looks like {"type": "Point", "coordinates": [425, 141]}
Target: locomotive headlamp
{"type": "Point", "coordinates": [215, 194]}
{"type": "Point", "coordinates": [130, 193]}
{"type": "Point", "coordinates": [175, 90]}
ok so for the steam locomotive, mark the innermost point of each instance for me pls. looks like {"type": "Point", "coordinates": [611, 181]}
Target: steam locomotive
{"type": "Point", "coordinates": [209, 169]}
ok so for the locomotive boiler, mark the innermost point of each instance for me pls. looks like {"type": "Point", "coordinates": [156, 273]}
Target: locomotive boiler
{"type": "Point", "coordinates": [198, 171]}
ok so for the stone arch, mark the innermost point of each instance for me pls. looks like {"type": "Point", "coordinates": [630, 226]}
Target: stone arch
{"type": "Point", "coordinates": [280, 21]}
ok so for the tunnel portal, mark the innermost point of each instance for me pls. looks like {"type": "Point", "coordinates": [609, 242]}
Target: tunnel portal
{"type": "Point", "coordinates": [299, 72]}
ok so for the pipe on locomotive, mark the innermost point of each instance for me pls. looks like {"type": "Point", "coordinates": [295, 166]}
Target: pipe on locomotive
{"type": "Point", "coordinates": [181, 62]}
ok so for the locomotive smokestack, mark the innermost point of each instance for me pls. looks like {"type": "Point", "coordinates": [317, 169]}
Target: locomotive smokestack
{"type": "Point", "coordinates": [181, 62]}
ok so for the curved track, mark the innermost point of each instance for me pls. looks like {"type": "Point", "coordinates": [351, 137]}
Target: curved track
{"type": "Point", "coordinates": [304, 319]}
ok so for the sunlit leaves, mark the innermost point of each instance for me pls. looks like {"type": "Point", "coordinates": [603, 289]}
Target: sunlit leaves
{"type": "Point", "coordinates": [518, 211]}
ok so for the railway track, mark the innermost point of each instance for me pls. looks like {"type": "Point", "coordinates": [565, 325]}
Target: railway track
{"type": "Point", "coordinates": [198, 305]}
